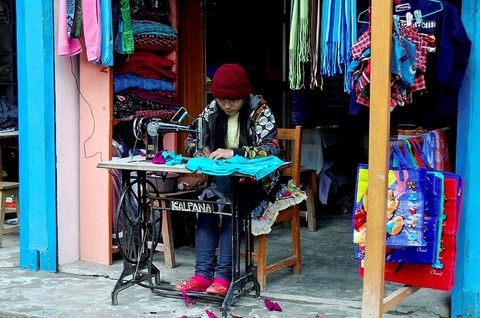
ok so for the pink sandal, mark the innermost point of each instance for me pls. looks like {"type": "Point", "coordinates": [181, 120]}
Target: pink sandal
{"type": "Point", "coordinates": [196, 283]}
{"type": "Point", "coordinates": [219, 287]}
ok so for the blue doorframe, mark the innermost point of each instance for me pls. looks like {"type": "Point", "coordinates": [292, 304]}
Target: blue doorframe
{"type": "Point", "coordinates": [466, 292]}
{"type": "Point", "coordinates": [36, 125]}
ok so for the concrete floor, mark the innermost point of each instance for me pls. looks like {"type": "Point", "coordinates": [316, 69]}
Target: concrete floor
{"type": "Point", "coordinates": [328, 286]}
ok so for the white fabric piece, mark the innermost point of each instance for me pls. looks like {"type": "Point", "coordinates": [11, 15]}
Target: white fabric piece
{"type": "Point", "coordinates": [264, 224]}
{"type": "Point", "coordinates": [312, 150]}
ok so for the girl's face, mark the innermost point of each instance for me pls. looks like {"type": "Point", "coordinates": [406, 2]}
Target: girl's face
{"type": "Point", "coordinates": [230, 107]}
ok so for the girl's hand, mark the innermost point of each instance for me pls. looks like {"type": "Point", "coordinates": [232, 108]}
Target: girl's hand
{"type": "Point", "coordinates": [206, 152]}
{"type": "Point", "coordinates": [221, 153]}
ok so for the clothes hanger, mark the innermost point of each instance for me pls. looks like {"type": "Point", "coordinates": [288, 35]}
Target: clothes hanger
{"type": "Point", "coordinates": [436, 11]}
{"type": "Point", "coordinates": [418, 15]}
{"type": "Point", "coordinates": [360, 16]}
{"type": "Point", "coordinates": [423, 15]}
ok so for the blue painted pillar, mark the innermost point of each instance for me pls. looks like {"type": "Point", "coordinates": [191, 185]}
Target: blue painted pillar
{"type": "Point", "coordinates": [38, 239]}
{"type": "Point", "coordinates": [466, 292]}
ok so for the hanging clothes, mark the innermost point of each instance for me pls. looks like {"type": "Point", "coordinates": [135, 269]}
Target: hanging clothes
{"type": "Point", "coordinates": [91, 29]}
{"type": "Point", "coordinates": [442, 54]}
{"type": "Point", "coordinates": [94, 17]}
{"type": "Point", "coordinates": [124, 43]}
{"type": "Point", "coordinates": [67, 46]}
{"type": "Point", "coordinates": [73, 17]}
{"type": "Point", "coordinates": [107, 33]}
{"type": "Point", "coordinates": [339, 30]}
{"type": "Point", "coordinates": [316, 80]}
{"type": "Point", "coordinates": [299, 43]}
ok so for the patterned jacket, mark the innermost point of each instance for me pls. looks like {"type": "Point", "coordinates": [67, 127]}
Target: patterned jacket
{"type": "Point", "coordinates": [263, 139]}
{"type": "Point", "coordinates": [262, 130]}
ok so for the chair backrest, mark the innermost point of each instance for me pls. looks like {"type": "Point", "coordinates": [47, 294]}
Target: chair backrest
{"type": "Point", "coordinates": [290, 140]}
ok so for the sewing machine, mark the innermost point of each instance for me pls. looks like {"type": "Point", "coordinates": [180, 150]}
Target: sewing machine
{"type": "Point", "coordinates": [156, 128]}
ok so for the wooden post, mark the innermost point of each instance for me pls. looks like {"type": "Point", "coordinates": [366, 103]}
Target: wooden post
{"type": "Point", "coordinates": [381, 43]}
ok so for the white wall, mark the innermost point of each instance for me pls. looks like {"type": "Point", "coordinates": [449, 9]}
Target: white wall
{"type": "Point", "coordinates": [67, 149]}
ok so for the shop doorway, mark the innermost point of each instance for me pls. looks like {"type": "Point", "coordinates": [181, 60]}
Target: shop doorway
{"type": "Point", "coordinates": [253, 34]}
{"type": "Point", "coordinates": [8, 93]}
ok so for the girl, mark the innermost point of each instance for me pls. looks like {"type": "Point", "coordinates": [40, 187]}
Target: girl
{"type": "Point", "coordinates": [238, 123]}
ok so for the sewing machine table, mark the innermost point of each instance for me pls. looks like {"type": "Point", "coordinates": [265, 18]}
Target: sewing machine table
{"type": "Point", "coordinates": [139, 221]}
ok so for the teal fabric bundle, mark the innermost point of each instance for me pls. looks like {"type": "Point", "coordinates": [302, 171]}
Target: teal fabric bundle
{"type": "Point", "coordinates": [258, 167]}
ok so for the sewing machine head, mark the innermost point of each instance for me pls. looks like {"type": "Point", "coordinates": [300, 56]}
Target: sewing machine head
{"type": "Point", "coordinates": [154, 129]}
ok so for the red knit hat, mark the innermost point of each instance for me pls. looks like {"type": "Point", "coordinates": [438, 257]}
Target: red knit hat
{"type": "Point", "coordinates": [230, 82]}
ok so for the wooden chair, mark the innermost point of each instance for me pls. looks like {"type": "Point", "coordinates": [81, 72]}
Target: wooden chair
{"type": "Point", "coordinates": [309, 179]}
{"type": "Point", "coordinates": [290, 215]}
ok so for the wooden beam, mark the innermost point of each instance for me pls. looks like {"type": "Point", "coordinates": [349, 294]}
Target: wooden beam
{"type": "Point", "coordinates": [191, 62]}
{"type": "Point", "coordinates": [379, 128]}
{"type": "Point", "coordinates": [398, 296]}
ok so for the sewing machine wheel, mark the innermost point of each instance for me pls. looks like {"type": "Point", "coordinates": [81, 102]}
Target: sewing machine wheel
{"type": "Point", "coordinates": [137, 127]}
{"type": "Point", "coordinates": [133, 232]}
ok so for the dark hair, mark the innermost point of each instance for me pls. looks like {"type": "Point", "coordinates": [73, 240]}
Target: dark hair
{"type": "Point", "coordinates": [218, 131]}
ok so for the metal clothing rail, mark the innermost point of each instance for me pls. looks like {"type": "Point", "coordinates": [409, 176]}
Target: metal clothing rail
{"type": "Point", "coordinates": [138, 222]}
{"type": "Point", "coordinates": [419, 137]}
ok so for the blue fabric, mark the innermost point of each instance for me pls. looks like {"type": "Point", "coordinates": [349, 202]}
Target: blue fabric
{"type": "Point", "coordinates": [122, 82]}
{"type": "Point", "coordinates": [171, 158]}
{"type": "Point", "coordinates": [8, 114]}
{"type": "Point", "coordinates": [349, 33]}
{"type": "Point", "coordinates": [339, 33]}
{"type": "Point", "coordinates": [429, 148]}
{"type": "Point", "coordinates": [258, 168]}
{"type": "Point", "coordinates": [118, 39]}
{"type": "Point", "coordinates": [153, 28]}
{"type": "Point", "coordinates": [107, 32]}
{"type": "Point", "coordinates": [403, 60]}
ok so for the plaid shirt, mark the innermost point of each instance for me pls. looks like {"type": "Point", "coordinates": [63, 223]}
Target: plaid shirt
{"type": "Point", "coordinates": [400, 95]}
{"type": "Point", "coordinates": [362, 44]}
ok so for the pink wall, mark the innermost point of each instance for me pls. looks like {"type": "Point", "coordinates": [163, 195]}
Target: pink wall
{"type": "Point", "coordinates": [95, 146]}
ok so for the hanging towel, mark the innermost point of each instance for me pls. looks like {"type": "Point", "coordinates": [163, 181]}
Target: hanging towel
{"type": "Point", "coordinates": [66, 46]}
{"type": "Point", "coordinates": [107, 32]}
{"type": "Point", "coordinates": [91, 29]}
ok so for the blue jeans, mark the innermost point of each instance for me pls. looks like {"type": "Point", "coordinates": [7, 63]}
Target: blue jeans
{"type": "Point", "coordinates": [208, 235]}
